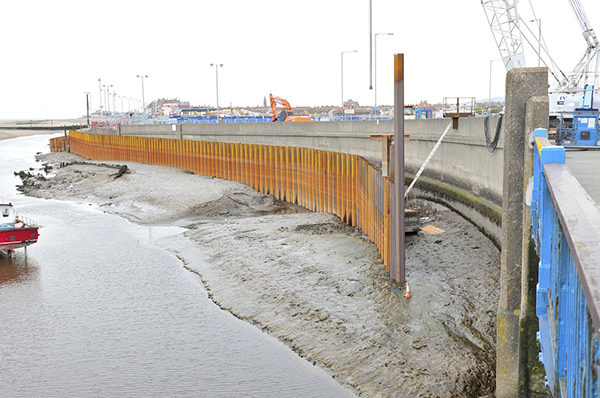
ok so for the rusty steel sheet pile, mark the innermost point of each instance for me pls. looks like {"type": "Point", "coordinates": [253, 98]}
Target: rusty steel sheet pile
{"type": "Point", "coordinates": [346, 185]}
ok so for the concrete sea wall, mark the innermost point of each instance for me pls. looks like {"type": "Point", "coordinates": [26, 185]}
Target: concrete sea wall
{"type": "Point", "coordinates": [463, 174]}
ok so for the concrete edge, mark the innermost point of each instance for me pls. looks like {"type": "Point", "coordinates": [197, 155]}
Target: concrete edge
{"type": "Point", "coordinates": [485, 215]}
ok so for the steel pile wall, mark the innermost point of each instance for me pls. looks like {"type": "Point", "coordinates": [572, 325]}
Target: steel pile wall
{"type": "Point", "coordinates": [58, 144]}
{"type": "Point", "coordinates": [566, 230]}
{"type": "Point", "coordinates": [346, 185]}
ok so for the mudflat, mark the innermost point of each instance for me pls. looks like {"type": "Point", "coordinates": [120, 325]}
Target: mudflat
{"type": "Point", "coordinates": [311, 281]}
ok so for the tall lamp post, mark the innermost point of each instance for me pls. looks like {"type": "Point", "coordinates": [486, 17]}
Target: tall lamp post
{"type": "Point", "coordinates": [490, 92]}
{"type": "Point", "coordinates": [143, 98]}
{"type": "Point", "coordinates": [100, 87]}
{"type": "Point", "coordinates": [344, 52]}
{"type": "Point", "coordinates": [217, 76]}
{"type": "Point", "coordinates": [377, 34]}
{"type": "Point", "coordinates": [87, 103]}
{"type": "Point", "coordinates": [539, 24]}
{"type": "Point", "coordinates": [107, 97]}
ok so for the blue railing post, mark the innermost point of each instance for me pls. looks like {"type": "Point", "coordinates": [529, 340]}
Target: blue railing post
{"type": "Point", "coordinates": [565, 229]}
{"type": "Point", "coordinates": [543, 217]}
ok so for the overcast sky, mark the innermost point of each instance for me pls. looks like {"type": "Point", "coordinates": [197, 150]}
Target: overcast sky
{"type": "Point", "coordinates": [54, 51]}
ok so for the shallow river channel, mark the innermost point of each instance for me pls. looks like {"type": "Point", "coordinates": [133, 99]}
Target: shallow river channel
{"type": "Point", "coordinates": [96, 309]}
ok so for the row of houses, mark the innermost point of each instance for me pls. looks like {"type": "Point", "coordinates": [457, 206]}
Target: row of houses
{"type": "Point", "coordinates": [175, 107]}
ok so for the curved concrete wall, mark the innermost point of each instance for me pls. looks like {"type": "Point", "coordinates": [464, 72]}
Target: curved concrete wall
{"type": "Point", "coordinates": [463, 174]}
{"type": "Point", "coordinates": [462, 160]}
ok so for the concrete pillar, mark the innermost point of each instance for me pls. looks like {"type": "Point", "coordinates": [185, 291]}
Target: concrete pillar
{"type": "Point", "coordinates": [521, 85]}
{"type": "Point", "coordinates": [531, 376]}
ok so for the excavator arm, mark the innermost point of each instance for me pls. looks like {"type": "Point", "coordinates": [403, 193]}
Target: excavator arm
{"type": "Point", "coordinates": [279, 101]}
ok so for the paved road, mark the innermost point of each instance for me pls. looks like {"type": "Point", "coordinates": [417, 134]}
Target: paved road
{"type": "Point", "coordinates": [585, 165]}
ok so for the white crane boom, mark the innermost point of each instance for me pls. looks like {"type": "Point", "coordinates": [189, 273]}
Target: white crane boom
{"type": "Point", "coordinates": [510, 34]}
{"type": "Point", "coordinates": [503, 18]}
{"type": "Point", "coordinates": [593, 46]}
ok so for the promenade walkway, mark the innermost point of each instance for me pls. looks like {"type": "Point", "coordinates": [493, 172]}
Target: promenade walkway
{"type": "Point", "coordinates": [585, 165]}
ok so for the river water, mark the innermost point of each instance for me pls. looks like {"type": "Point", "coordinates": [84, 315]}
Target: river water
{"type": "Point", "coordinates": [96, 308]}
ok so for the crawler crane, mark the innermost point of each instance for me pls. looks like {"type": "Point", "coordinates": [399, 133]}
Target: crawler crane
{"type": "Point", "coordinates": [569, 93]}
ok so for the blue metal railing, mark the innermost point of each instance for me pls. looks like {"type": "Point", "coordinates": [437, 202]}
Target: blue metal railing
{"type": "Point", "coordinates": [566, 231]}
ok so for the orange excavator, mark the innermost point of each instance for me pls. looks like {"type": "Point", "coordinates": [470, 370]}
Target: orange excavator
{"type": "Point", "coordinates": [286, 115]}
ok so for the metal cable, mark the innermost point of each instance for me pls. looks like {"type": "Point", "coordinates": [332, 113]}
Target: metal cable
{"type": "Point", "coordinates": [493, 143]}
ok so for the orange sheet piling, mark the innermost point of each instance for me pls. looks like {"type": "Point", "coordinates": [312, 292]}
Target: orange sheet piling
{"type": "Point", "coordinates": [346, 185]}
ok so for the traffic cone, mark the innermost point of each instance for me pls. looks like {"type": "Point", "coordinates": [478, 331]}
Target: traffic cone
{"type": "Point", "coordinates": [408, 293]}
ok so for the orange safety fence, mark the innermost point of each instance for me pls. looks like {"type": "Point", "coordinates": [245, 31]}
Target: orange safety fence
{"type": "Point", "coordinates": [346, 185]}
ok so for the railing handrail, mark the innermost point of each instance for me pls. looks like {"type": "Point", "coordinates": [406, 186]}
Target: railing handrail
{"type": "Point", "coordinates": [566, 231]}
{"type": "Point", "coordinates": [580, 221]}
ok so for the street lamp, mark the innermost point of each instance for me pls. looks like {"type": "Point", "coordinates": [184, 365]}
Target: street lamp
{"type": "Point", "coordinates": [107, 97]}
{"type": "Point", "coordinates": [143, 98]}
{"type": "Point", "coordinates": [104, 102]}
{"type": "Point", "coordinates": [490, 93]}
{"type": "Point", "coordinates": [539, 24]}
{"type": "Point", "coordinates": [344, 52]}
{"type": "Point", "coordinates": [217, 74]}
{"type": "Point", "coordinates": [100, 88]}
{"type": "Point", "coordinates": [87, 103]}
{"type": "Point", "coordinates": [377, 34]}
{"type": "Point", "coordinates": [115, 102]}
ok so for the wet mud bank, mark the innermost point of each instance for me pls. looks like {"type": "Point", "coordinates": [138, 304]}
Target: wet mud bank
{"type": "Point", "coordinates": [313, 282]}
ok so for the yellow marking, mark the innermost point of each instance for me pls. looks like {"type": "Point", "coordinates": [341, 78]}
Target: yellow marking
{"type": "Point", "coordinates": [540, 143]}
{"type": "Point", "coordinates": [431, 230]}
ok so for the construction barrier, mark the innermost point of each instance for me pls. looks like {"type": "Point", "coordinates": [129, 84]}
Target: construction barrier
{"type": "Point", "coordinates": [346, 185]}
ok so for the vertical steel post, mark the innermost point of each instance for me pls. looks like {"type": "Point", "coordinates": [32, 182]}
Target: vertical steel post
{"type": "Point", "coordinates": [87, 104]}
{"type": "Point", "coordinates": [398, 273]}
{"type": "Point", "coordinates": [100, 87]}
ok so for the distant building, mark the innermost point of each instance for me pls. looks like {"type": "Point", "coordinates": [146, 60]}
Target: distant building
{"type": "Point", "coordinates": [168, 107]}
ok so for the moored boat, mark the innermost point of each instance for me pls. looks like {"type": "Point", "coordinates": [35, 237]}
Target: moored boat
{"type": "Point", "coordinates": [15, 232]}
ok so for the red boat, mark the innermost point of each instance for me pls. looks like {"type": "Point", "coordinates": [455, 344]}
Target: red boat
{"type": "Point", "coordinates": [15, 232]}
